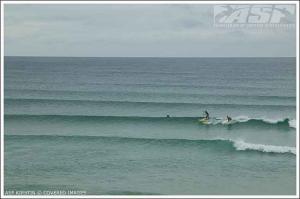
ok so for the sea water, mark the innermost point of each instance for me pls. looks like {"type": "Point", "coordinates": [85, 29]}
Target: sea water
{"type": "Point", "coordinates": [100, 125]}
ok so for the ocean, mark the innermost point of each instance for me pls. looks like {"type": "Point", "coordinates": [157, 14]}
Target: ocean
{"type": "Point", "coordinates": [130, 126]}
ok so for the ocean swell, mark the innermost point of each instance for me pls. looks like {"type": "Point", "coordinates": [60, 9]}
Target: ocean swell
{"type": "Point", "coordinates": [217, 143]}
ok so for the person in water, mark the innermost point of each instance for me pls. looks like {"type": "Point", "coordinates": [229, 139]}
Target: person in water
{"type": "Point", "coordinates": [206, 115]}
{"type": "Point", "coordinates": [229, 118]}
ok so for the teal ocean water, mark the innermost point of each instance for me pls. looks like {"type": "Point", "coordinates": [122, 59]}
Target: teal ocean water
{"type": "Point", "coordinates": [99, 125]}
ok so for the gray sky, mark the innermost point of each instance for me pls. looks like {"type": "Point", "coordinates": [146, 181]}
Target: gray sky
{"type": "Point", "coordinates": [135, 30]}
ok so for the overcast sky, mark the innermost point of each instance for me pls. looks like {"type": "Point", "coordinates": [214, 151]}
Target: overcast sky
{"type": "Point", "coordinates": [135, 30]}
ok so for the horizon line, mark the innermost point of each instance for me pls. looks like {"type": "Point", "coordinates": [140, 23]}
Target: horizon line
{"type": "Point", "coordinates": [148, 56]}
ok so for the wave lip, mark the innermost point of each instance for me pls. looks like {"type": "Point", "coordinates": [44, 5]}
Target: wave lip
{"type": "Point", "coordinates": [244, 146]}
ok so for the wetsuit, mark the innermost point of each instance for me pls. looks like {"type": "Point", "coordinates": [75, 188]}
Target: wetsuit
{"type": "Point", "coordinates": [206, 115]}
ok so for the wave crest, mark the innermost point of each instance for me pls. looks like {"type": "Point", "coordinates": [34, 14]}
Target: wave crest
{"type": "Point", "coordinates": [244, 146]}
{"type": "Point", "coordinates": [244, 120]}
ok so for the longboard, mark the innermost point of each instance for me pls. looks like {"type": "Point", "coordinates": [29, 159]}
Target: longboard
{"type": "Point", "coordinates": [203, 121]}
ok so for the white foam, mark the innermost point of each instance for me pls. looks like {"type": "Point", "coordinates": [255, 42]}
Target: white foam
{"type": "Point", "coordinates": [292, 123]}
{"type": "Point", "coordinates": [272, 121]}
{"type": "Point", "coordinates": [242, 118]}
{"type": "Point", "coordinates": [242, 146]}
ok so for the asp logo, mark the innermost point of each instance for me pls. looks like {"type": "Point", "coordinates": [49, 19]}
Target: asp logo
{"type": "Point", "coordinates": [254, 14]}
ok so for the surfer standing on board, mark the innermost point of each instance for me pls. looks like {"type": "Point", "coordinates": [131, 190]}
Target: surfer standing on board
{"type": "Point", "coordinates": [206, 115]}
{"type": "Point", "coordinates": [228, 118]}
